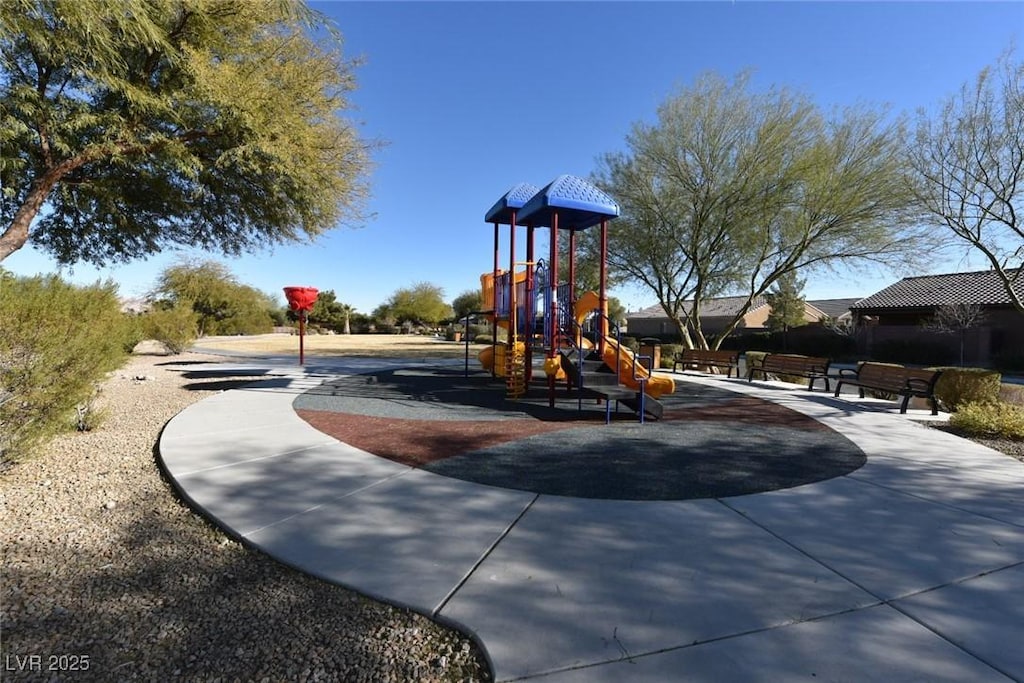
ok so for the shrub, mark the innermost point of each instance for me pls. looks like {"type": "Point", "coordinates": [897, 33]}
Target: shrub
{"type": "Point", "coordinates": [476, 330]}
{"type": "Point", "coordinates": [957, 386]}
{"type": "Point", "coordinates": [483, 339]}
{"type": "Point", "coordinates": [631, 343]}
{"type": "Point", "coordinates": [994, 419]}
{"type": "Point", "coordinates": [175, 327]}
{"type": "Point", "coordinates": [56, 342]}
{"type": "Point", "coordinates": [754, 359]}
{"type": "Point", "coordinates": [669, 353]}
{"type": "Point", "coordinates": [132, 332]}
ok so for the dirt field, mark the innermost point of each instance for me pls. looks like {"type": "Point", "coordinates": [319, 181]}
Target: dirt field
{"type": "Point", "coordinates": [379, 345]}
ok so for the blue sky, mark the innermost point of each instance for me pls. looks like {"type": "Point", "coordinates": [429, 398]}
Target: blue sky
{"type": "Point", "coordinates": [475, 97]}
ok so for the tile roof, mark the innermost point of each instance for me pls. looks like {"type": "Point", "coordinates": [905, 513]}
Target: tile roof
{"type": "Point", "coordinates": [717, 307]}
{"type": "Point", "coordinates": [981, 287]}
{"type": "Point", "coordinates": [834, 308]}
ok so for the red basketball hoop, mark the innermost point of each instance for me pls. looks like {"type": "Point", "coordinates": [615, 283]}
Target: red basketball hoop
{"type": "Point", "coordinates": [301, 300]}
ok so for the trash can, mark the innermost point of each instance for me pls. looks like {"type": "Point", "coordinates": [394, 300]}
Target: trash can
{"type": "Point", "coordinates": [650, 347]}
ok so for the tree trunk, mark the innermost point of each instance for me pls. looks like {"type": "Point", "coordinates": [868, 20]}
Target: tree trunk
{"type": "Point", "coordinates": [16, 235]}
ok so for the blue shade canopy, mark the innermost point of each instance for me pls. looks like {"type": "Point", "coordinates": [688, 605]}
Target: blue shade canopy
{"type": "Point", "coordinates": [579, 204]}
{"type": "Point", "coordinates": [512, 200]}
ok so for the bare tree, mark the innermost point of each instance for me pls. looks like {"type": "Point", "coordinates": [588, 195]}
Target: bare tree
{"type": "Point", "coordinates": [956, 319]}
{"type": "Point", "coordinates": [969, 163]}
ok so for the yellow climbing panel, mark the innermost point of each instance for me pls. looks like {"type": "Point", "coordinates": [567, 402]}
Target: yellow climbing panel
{"type": "Point", "coordinates": [515, 368]}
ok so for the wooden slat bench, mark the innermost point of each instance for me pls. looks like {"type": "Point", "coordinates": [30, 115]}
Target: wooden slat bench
{"type": "Point", "coordinates": [810, 367]}
{"type": "Point", "coordinates": [703, 358]}
{"type": "Point", "coordinates": [894, 379]}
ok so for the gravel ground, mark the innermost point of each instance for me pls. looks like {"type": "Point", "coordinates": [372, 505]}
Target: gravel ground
{"type": "Point", "coordinates": [105, 570]}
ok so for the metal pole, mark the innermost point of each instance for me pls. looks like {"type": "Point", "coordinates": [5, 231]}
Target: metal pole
{"type": "Point", "coordinates": [302, 336]}
{"type": "Point", "coordinates": [603, 293]}
{"type": "Point", "coordinates": [531, 313]}
{"type": "Point", "coordinates": [553, 329]}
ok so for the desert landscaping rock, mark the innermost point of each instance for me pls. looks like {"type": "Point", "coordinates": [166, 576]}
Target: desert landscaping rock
{"type": "Point", "coordinates": [104, 565]}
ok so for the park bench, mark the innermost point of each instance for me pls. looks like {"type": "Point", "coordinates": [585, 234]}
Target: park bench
{"type": "Point", "coordinates": [703, 358]}
{"type": "Point", "coordinates": [810, 367]}
{"type": "Point", "coordinates": [893, 379]}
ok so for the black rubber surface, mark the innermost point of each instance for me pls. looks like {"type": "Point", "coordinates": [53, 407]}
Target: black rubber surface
{"type": "Point", "coordinates": [712, 442]}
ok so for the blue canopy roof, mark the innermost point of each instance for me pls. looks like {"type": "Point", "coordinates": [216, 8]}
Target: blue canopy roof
{"type": "Point", "coordinates": [513, 200]}
{"type": "Point", "coordinates": [579, 204]}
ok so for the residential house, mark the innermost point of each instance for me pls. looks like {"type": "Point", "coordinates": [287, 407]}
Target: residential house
{"type": "Point", "coordinates": [903, 312]}
{"type": "Point", "coordinates": [718, 312]}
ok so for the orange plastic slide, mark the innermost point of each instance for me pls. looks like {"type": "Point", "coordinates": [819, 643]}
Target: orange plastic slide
{"type": "Point", "coordinates": [655, 386]}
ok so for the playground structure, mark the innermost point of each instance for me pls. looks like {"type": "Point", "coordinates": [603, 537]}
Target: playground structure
{"type": "Point", "coordinates": [581, 346]}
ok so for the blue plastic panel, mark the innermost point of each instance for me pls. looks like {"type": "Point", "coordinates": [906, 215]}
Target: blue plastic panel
{"type": "Point", "coordinates": [579, 204]}
{"type": "Point", "coordinates": [513, 200]}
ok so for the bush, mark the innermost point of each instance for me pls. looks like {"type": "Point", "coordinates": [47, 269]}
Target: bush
{"type": "Point", "coordinates": [483, 339]}
{"type": "Point", "coordinates": [175, 328]}
{"type": "Point", "coordinates": [631, 343]}
{"type": "Point", "coordinates": [133, 332]}
{"type": "Point", "coordinates": [56, 342]}
{"type": "Point", "coordinates": [669, 353]}
{"type": "Point", "coordinates": [754, 359]}
{"type": "Point", "coordinates": [957, 386]}
{"type": "Point", "coordinates": [476, 330]}
{"type": "Point", "coordinates": [994, 419]}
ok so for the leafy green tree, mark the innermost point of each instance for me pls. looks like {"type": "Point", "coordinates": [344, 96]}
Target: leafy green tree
{"type": "Point", "coordinates": [616, 311]}
{"type": "Point", "coordinates": [330, 313]}
{"type": "Point", "coordinates": [131, 126]}
{"type": "Point", "coordinates": [787, 303]}
{"type": "Point", "coordinates": [466, 303]}
{"type": "Point", "coordinates": [969, 163]}
{"type": "Point", "coordinates": [421, 304]}
{"type": "Point", "coordinates": [326, 311]}
{"type": "Point", "coordinates": [730, 190]}
{"type": "Point", "coordinates": [384, 316]}
{"type": "Point", "coordinates": [221, 304]}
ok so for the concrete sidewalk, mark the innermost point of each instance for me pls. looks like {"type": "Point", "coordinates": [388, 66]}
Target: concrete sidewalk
{"type": "Point", "coordinates": [909, 568]}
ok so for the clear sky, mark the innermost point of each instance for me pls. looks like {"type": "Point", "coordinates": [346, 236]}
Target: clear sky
{"type": "Point", "coordinates": [475, 97]}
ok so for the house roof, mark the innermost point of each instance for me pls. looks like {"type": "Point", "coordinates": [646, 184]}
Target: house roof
{"type": "Point", "coordinates": [981, 288]}
{"type": "Point", "coordinates": [833, 308]}
{"type": "Point", "coordinates": [713, 308]}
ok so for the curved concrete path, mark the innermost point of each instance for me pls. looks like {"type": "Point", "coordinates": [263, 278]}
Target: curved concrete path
{"type": "Point", "coordinates": [908, 569]}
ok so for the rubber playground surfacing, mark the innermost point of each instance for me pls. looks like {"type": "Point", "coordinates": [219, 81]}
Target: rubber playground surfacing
{"type": "Point", "coordinates": [710, 443]}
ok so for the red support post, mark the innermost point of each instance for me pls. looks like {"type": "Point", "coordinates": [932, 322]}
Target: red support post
{"type": "Point", "coordinates": [494, 307]}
